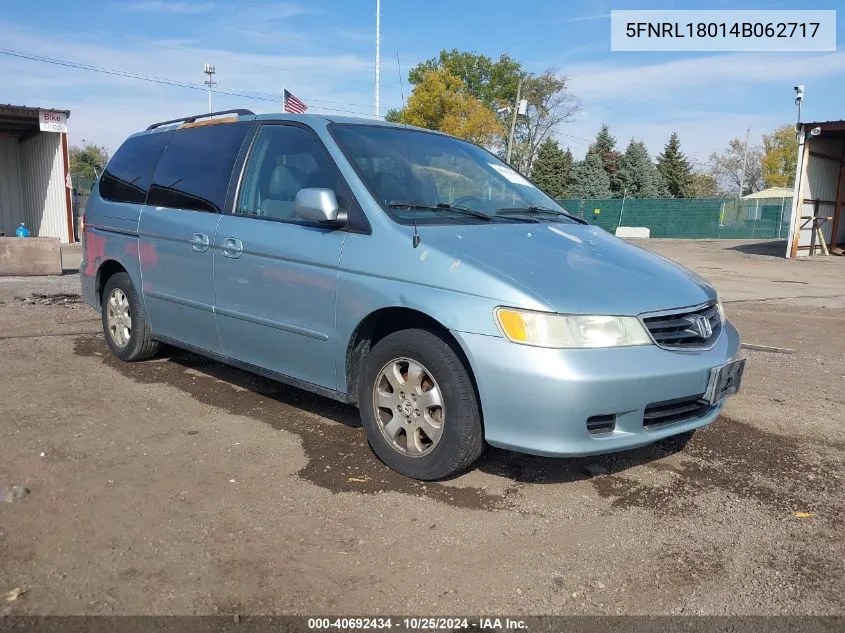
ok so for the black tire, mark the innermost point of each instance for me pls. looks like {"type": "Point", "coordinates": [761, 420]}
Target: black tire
{"type": "Point", "coordinates": [140, 344]}
{"type": "Point", "coordinates": [462, 439]}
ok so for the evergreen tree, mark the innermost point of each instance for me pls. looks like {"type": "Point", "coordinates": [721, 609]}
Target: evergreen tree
{"type": "Point", "coordinates": [551, 170]}
{"type": "Point", "coordinates": [605, 147]}
{"type": "Point", "coordinates": [568, 166]}
{"type": "Point", "coordinates": [676, 169]}
{"type": "Point", "coordinates": [638, 175]}
{"type": "Point", "coordinates": [589, 179]}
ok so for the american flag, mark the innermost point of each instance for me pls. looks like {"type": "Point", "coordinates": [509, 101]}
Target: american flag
{"type": "Point", "coordinates": [292, 104]}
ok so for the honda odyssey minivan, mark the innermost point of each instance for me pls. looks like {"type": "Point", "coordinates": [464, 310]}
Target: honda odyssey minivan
{"type": "Point", "coordinates": [406, 272]}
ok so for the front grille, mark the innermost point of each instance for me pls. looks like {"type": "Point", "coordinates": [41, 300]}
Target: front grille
{"type": "Point", "coordinates": [687, 329]}
{"type": "Point", "coordinates": [675, 410]}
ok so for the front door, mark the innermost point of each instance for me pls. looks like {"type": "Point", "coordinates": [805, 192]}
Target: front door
{"type": "Point", "coordinates": [275, 274]}
{"type": "Point", "coordinates": [177, 230]}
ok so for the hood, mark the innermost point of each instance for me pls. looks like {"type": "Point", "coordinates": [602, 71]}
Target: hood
{"type": "Point", "coordinates": [574, 268]}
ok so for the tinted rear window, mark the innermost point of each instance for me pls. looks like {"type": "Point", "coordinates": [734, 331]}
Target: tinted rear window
{"type": "Point", "coordinates": [194, 171]}
{"type": "Point", "coordinates": [128, 174]}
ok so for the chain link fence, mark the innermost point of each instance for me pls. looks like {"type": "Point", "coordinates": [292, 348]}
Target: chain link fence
{"type": "Point", "coordinates": [763, 218]}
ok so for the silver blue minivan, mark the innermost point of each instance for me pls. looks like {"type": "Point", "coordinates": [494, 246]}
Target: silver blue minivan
{"type": "Point", "coordinates": [406, 272]}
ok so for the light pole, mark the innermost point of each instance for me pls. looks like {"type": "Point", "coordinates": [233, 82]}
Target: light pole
{"type": "Point", "coordinates": [518, 108]}
{"type": "Point", "coordinates": [744, 162]}
{"type": "Point", "coordinates": [209, 70]}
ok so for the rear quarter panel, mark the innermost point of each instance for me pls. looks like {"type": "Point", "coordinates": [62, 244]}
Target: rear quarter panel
{"type": "Point", "coordinates": [111, 234]}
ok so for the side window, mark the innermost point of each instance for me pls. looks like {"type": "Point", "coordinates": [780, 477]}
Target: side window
{"type": "Point", "coordinates": [127, 176]}
{"type": "Point", "coordinates": [285, 159]}
{"type": "Point", "coordinates": [194, 171]}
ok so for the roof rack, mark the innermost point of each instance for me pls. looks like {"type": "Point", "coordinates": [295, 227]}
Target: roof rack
{"type": "Point", "coordinates": [191, 119]}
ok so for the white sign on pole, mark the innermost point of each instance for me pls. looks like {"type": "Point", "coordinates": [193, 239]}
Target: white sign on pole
{"type": "Point", "coordinates": [52, 121]}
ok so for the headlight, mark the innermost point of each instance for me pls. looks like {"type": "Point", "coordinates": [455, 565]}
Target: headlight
{"type": "Point", "coordinates": [721, 309]}
{"type": "Point", "coordinates": [546, 329]}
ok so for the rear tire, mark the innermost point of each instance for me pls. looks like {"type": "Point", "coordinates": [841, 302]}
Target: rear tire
{"type": "Point", "coordinates": [125, 320]}
{"type": "Point", "coordinates": [418, 406]}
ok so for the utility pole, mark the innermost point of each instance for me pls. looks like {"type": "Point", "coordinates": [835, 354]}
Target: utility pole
{"type": "Point", "coordinates": [378, 53]}
{"type": "Point", "coordinates": [744, 162]}
{"type": "Point", "coordinates": [513, 120]}
{"type": "Point", "coordinates": [209, 83]}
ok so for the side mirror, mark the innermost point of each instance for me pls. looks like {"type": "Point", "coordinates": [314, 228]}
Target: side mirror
{"type": "Point", "coordinates": [318, 205]}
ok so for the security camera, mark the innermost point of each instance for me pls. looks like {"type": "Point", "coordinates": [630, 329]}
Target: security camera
{"type": "Point", "coordinates": [799, 93]}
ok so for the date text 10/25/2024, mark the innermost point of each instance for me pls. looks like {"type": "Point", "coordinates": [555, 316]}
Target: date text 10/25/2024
{"type": "Point", "coordinates": [418, 623]}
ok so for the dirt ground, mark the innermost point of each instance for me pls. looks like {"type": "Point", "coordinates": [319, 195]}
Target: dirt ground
{"type": "Point", "coordinates": [181, 486]}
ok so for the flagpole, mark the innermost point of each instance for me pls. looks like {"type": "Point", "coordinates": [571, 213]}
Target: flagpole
{"type": "Point", "coordinates": [283, 97]}
{"type": "Point", "coordinates": [378, 45]}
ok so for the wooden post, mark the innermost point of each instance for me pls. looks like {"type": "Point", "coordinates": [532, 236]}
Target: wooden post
{"type": "Point", "coordinates": [837, 208]}
{"type": "Point", "coordinates": [799, 199]}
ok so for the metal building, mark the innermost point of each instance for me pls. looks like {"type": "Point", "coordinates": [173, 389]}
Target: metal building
{"type": "Point", "coordinates": [34, 179]}
{"type": "Point", "coordinates": [817, 225]}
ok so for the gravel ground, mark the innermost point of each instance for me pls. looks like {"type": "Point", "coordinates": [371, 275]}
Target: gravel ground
{"type": "Point", "coordinates": [181, 486]}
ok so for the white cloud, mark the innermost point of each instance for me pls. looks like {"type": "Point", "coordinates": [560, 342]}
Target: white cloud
{"type": "Point", "coordinates": [106, 108]}
{"type": "Point", "coordinates": [603, 16]}
{"type": "Point", "coordinates": [167, 6]}
{"type": "Point", "coordinates": [647, 82]}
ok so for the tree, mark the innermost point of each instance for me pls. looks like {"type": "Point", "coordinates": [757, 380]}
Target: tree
{"type": "Point", "coordinates": [638, 176]}
{"type": "Point", "coordinates": [675, 168]}
{"type": "Point", "coordinates": [441, 102]}
{"type": "Point", "coordinates": [605, 147]}
{"type": "Point", "coordinates": [491, 82]}
{"type": "Point", "coordinates": [550, 104]}
{"type": "Point", "coordinates": [551, 170]}
{"type": "Point", "coordinates": [779, 157]}
{"type": "Point", "coordinates": [726, 168]}
{"type": "Point", "coordinates": [704, 185]}
{"type": "Point", "coordinates": [88, 160]}
{"type": "Point", "coordinates": [589, 179]}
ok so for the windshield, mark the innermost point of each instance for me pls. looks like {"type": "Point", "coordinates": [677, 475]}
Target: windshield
{"type": "Point", "coordinates": [437, 179]}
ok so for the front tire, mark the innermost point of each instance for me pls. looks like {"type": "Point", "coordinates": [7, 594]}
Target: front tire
{"type": "Point", "coordinates": [418, 406]}
{"type": "Point", "coordinates": [125, 320]}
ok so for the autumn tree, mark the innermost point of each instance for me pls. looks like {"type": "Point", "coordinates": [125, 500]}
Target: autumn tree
{"type": "Point", "coordinates": [87, 160]}
{"type": "Point", "coordinates": [551, 170]}
{"type": "Point", "coordinates": [440, 101]}
{"type": "Point", "coordinates": [704, 185]}
{"type": "Point", "coordinates": [637, 174]}
{"type": "Point", "coordinates": [550, 104]}
{"type": "Point", "coordinates": [675, 168]}
{"type": "Point", "coordinates": [491, 82]}
{"type": "Point", "coordinates": [726, 167]}
{"type": "Point", "coordinates": [589, 179]}
{"type": "Point", "coordinates": [494, 83]}
{"type": "Point", "coordinates": [779, 157]}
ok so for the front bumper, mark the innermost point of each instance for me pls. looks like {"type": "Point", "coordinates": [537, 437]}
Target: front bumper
{"type": "Point", "coordinates": [537, 400]}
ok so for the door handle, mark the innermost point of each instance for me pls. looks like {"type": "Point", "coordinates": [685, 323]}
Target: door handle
{"type": "Point", "coordinates": [232, 247]}
{"type": "Point", "coordinates": [200, 242]}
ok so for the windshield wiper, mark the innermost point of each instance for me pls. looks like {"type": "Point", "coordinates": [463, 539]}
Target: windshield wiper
{"type": "Point", "coordinates": [540, 211]}
{"type": "Point", "coordinates": [439, 205]}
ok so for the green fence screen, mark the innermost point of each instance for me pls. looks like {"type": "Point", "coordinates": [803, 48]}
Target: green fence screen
{"type": "Point", "coordinates": [690, 217]}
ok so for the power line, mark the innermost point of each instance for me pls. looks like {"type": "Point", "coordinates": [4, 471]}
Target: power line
{"type": "Point", "coordinates": [271, 97]}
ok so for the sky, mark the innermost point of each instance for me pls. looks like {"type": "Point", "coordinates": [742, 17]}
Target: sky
{"type": "Point", "coordinates": [323, 51]}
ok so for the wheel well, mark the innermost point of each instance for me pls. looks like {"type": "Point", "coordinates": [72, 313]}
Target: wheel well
{"type": "Point", "coordinates": [386, 321]}
{"type": "Point", "coordinates": [104, 273]}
